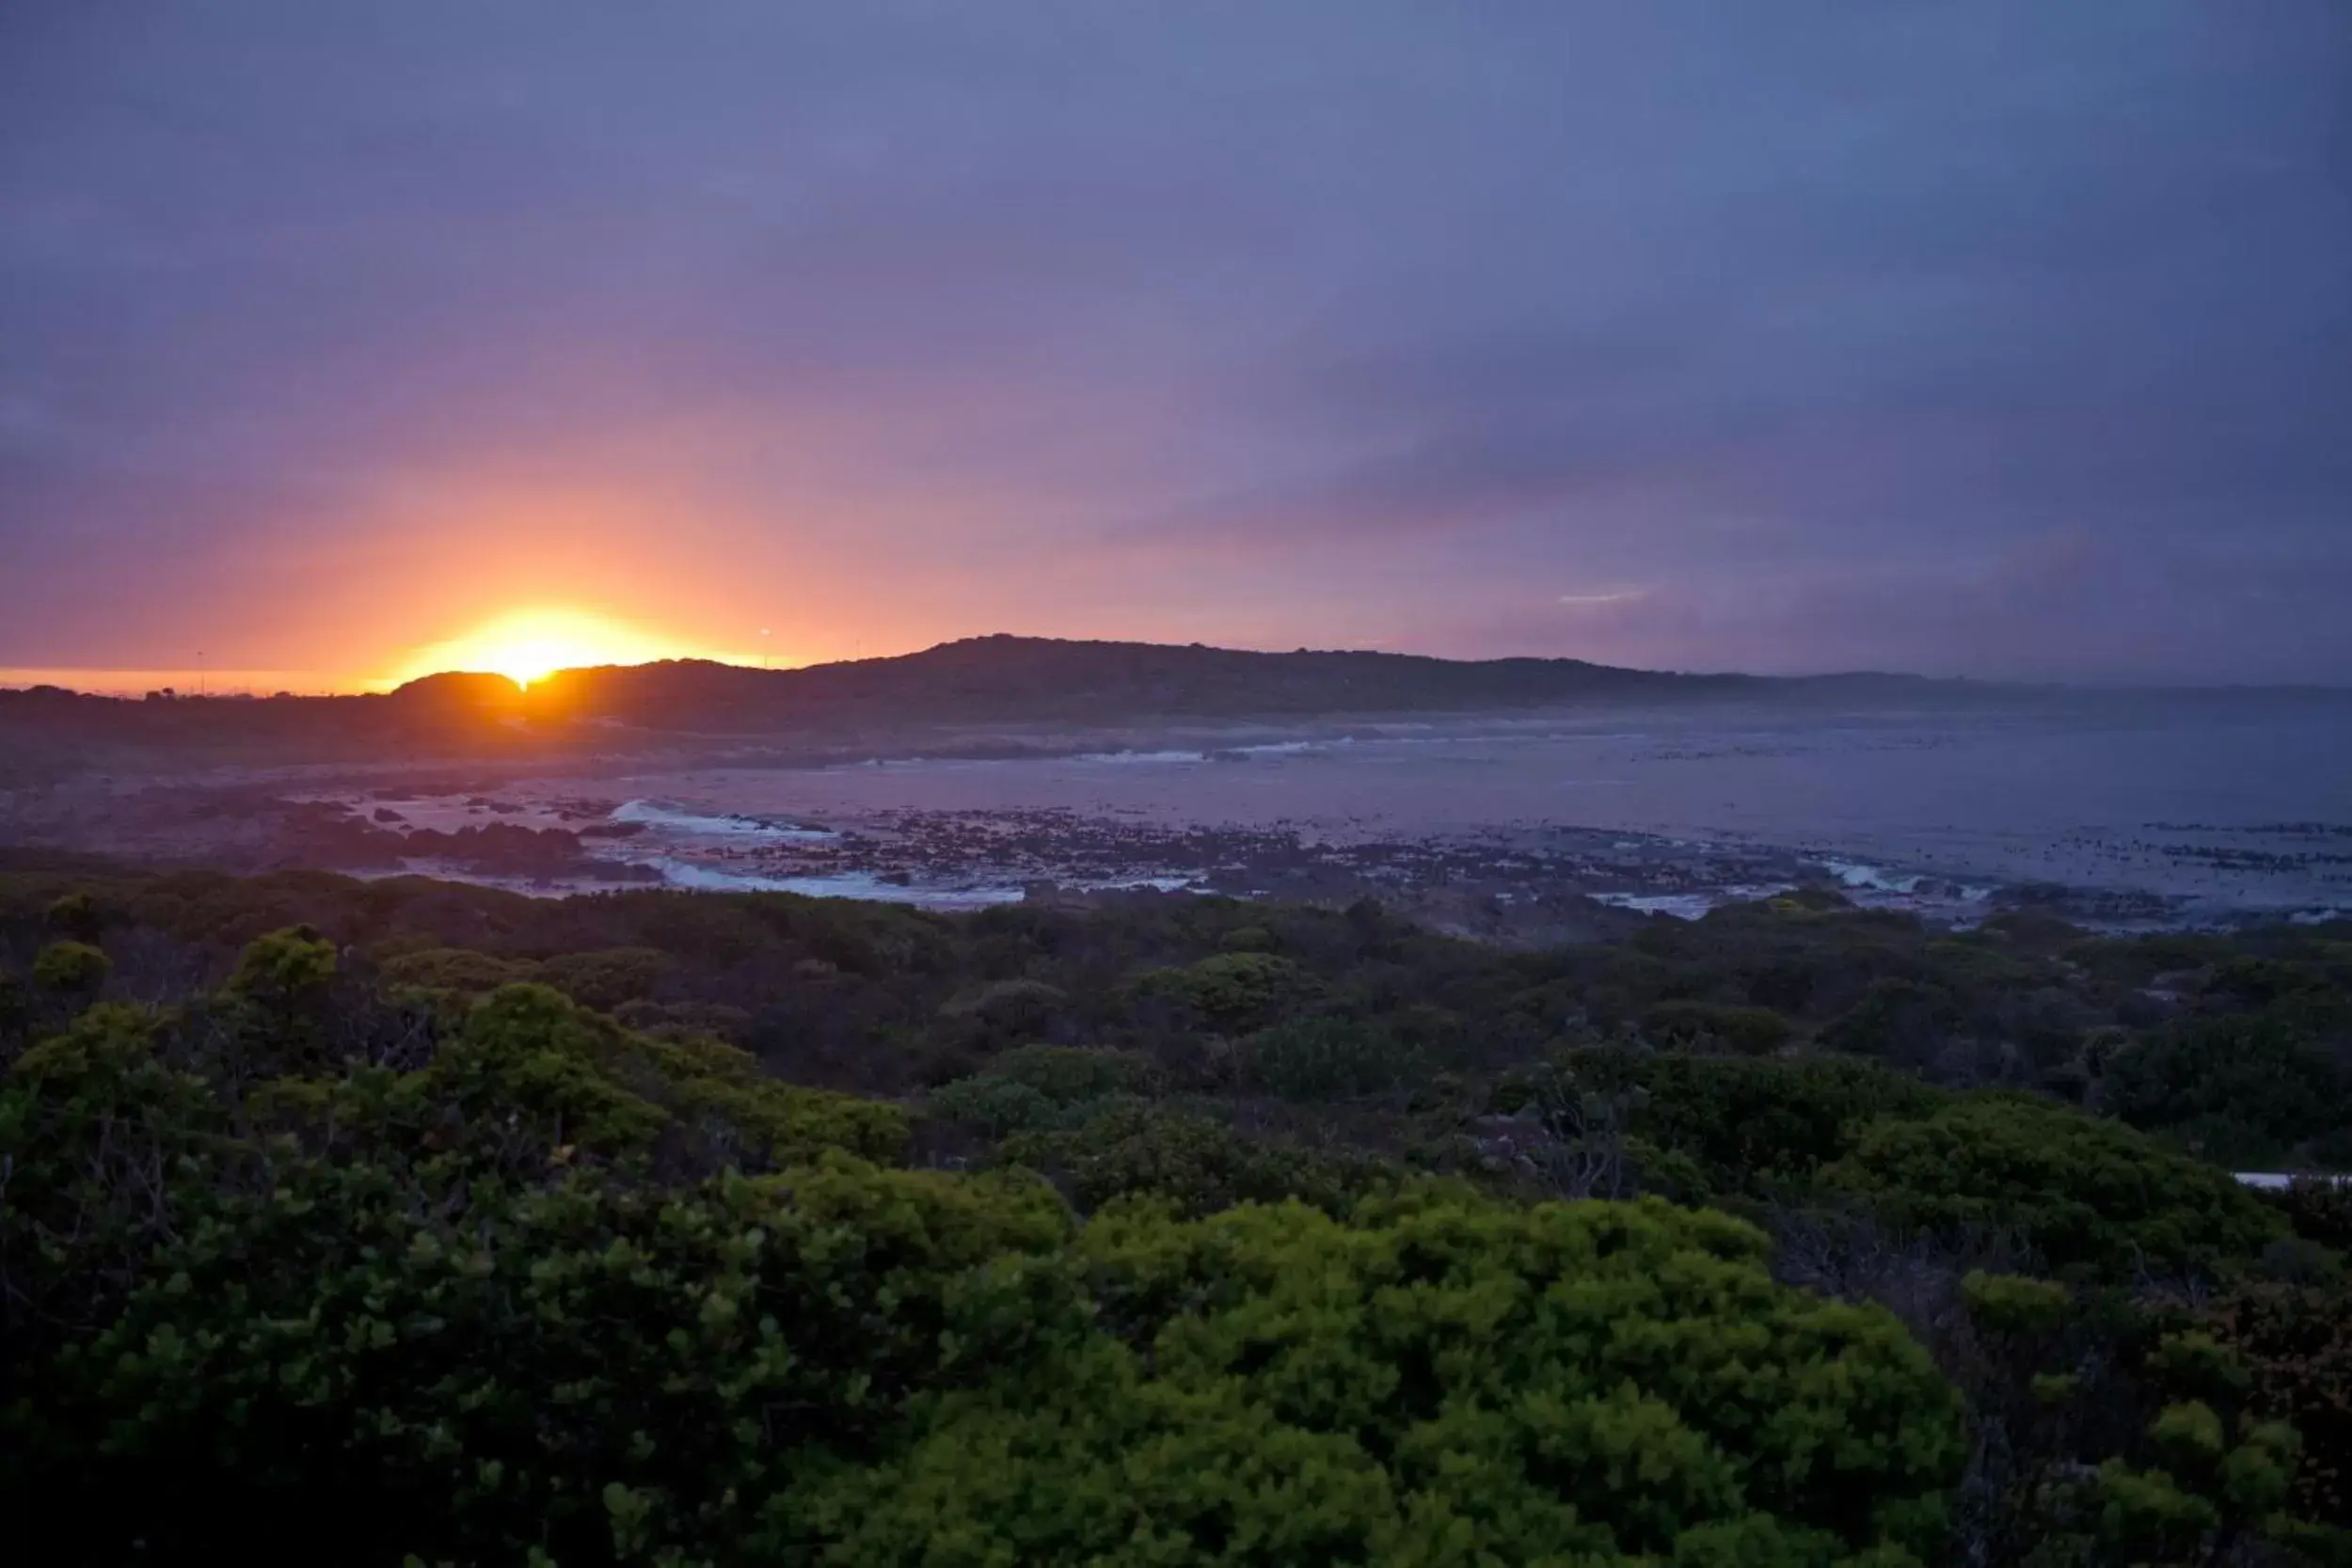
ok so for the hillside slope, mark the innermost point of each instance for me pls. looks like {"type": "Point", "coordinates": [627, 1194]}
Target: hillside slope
{"type": "Point", "coordinates": [1032, 678]}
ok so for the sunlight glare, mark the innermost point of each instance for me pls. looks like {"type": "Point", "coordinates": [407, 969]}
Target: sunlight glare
{"type": "Point", "coordinates": [530, 645]}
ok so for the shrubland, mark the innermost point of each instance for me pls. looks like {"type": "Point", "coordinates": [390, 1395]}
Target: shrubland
{"type": "Point", "coordinates": [400, 1220]}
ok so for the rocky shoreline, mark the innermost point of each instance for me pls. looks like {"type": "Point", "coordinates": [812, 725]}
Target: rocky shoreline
{"type": "Point", "coordinates": [1517, 884]}
{"type": "Point", "coordinates": [1555, 829]}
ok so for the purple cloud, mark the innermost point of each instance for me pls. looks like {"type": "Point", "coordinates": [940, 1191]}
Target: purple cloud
{"type": "Point", "coordinates": [2003, 338]}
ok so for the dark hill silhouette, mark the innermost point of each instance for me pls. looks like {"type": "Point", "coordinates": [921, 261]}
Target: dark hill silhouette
{"type": "Point", "coordinates": [456, 697]}
{"type": "Point", "coordinates": [1035, 680]}
{"type": "Point", "coordinates": [998, 680]}
{"type": "Point", "coordinates": [675, 706]}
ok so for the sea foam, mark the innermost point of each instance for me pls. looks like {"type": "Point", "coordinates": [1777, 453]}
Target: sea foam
{"type": "Point", "coordinates": [678, 820]}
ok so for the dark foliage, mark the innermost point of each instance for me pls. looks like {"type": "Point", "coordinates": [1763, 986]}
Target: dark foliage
{"type": "Point", "coordinates": [422, 1219]}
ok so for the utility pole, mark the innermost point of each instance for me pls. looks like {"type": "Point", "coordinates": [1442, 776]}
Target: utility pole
{"type": "Point", "coordinates": [763, 647]}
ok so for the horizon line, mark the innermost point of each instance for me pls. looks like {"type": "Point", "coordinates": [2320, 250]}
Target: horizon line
{"type": "Point", "coordinates": [204, 683]}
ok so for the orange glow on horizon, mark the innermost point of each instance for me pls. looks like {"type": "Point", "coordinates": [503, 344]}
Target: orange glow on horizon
{"type": "Point", "coordinates": [529, 645]}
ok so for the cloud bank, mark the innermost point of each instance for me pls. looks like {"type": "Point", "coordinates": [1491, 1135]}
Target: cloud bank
{"type": "Point", "coordinates": [2005, 339]}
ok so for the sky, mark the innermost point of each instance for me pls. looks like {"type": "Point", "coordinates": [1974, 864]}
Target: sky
{"type": "Point", "coordinates": [2005, 339]}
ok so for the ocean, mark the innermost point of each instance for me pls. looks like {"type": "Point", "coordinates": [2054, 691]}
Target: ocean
{"type": "Point", "coordinates": [2217, 806]}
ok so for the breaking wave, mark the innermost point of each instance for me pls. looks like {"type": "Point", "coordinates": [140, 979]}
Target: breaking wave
{"type": "Point", "coordinates": [842, 884]}
{"type": "Point", "coordinates": [678, 820]}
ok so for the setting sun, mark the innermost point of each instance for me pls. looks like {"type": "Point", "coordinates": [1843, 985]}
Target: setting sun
{"type": "Point", "coordinates": [530, 645]}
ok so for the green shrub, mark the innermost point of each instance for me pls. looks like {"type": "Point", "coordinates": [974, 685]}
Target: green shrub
{"type": "Point", "coordinates": [2207, 1489]}
{"type": "Point", "coordinates": [1442, 1381]}
{"type": "Point", "coordinates": [2295, 1347]}
{"type": "Point", "coordinates": [1034, 1088]}
{"type": "Point", "coordinates": [2012, 1305]}
{"type": "Point", "coordinates": [719, 1094]}
{"type": "Point", "coordinates": [2082, 1194]}
{"type": "Point", "coordinates": [1012, 1005]}
{"type": "Point", "coordinates": [1234, 991]}
{"type": "Point", "coordinates": [70, 968]}
{"type": "Point", "coordinates": [1066, 1075]}
{"type": "Point", "coordinates": [1896, 1019]}
{"type": "Point", "coordinates": [1750, 1031]}
{"type": "Point", "coordinates": [2320, 1209]}
{"type": "Point", "coordinates": [456, 969]}
{"type": "Point", "coordinates": [283, 967]}
{"type": "Point", "coordinates": [998, 1107]}
{"type": "Point", "coordinates": [1193, 1164]}
{"type": "Point", "coordinates": [2136, 961]}
{"type": "Point", "coordinates": [1248, 938]}
{"type": "Point", "coordinates": [606, 979]}
{"type": "Point", "coordinates": [430, 1258]}
{"type": "Point", "coordinates": [102, 1138]}
{"type": "Point", "coordinates": [1752, 1124]}
{"type": "Point", "coordinates": [590, 1370]}
{"type": "Point", "coordinates": [75, 917]}
{"type": "Point", "coordinates": [2241, 1088]}
{"type": "Point", "coordinates": [716, 1020]}
{"type": "Point", "coordinates": [1320, 1058]}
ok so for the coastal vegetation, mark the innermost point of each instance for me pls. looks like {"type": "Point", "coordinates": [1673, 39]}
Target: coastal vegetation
{"type": "Point", "coordinates": [410, 1221]}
